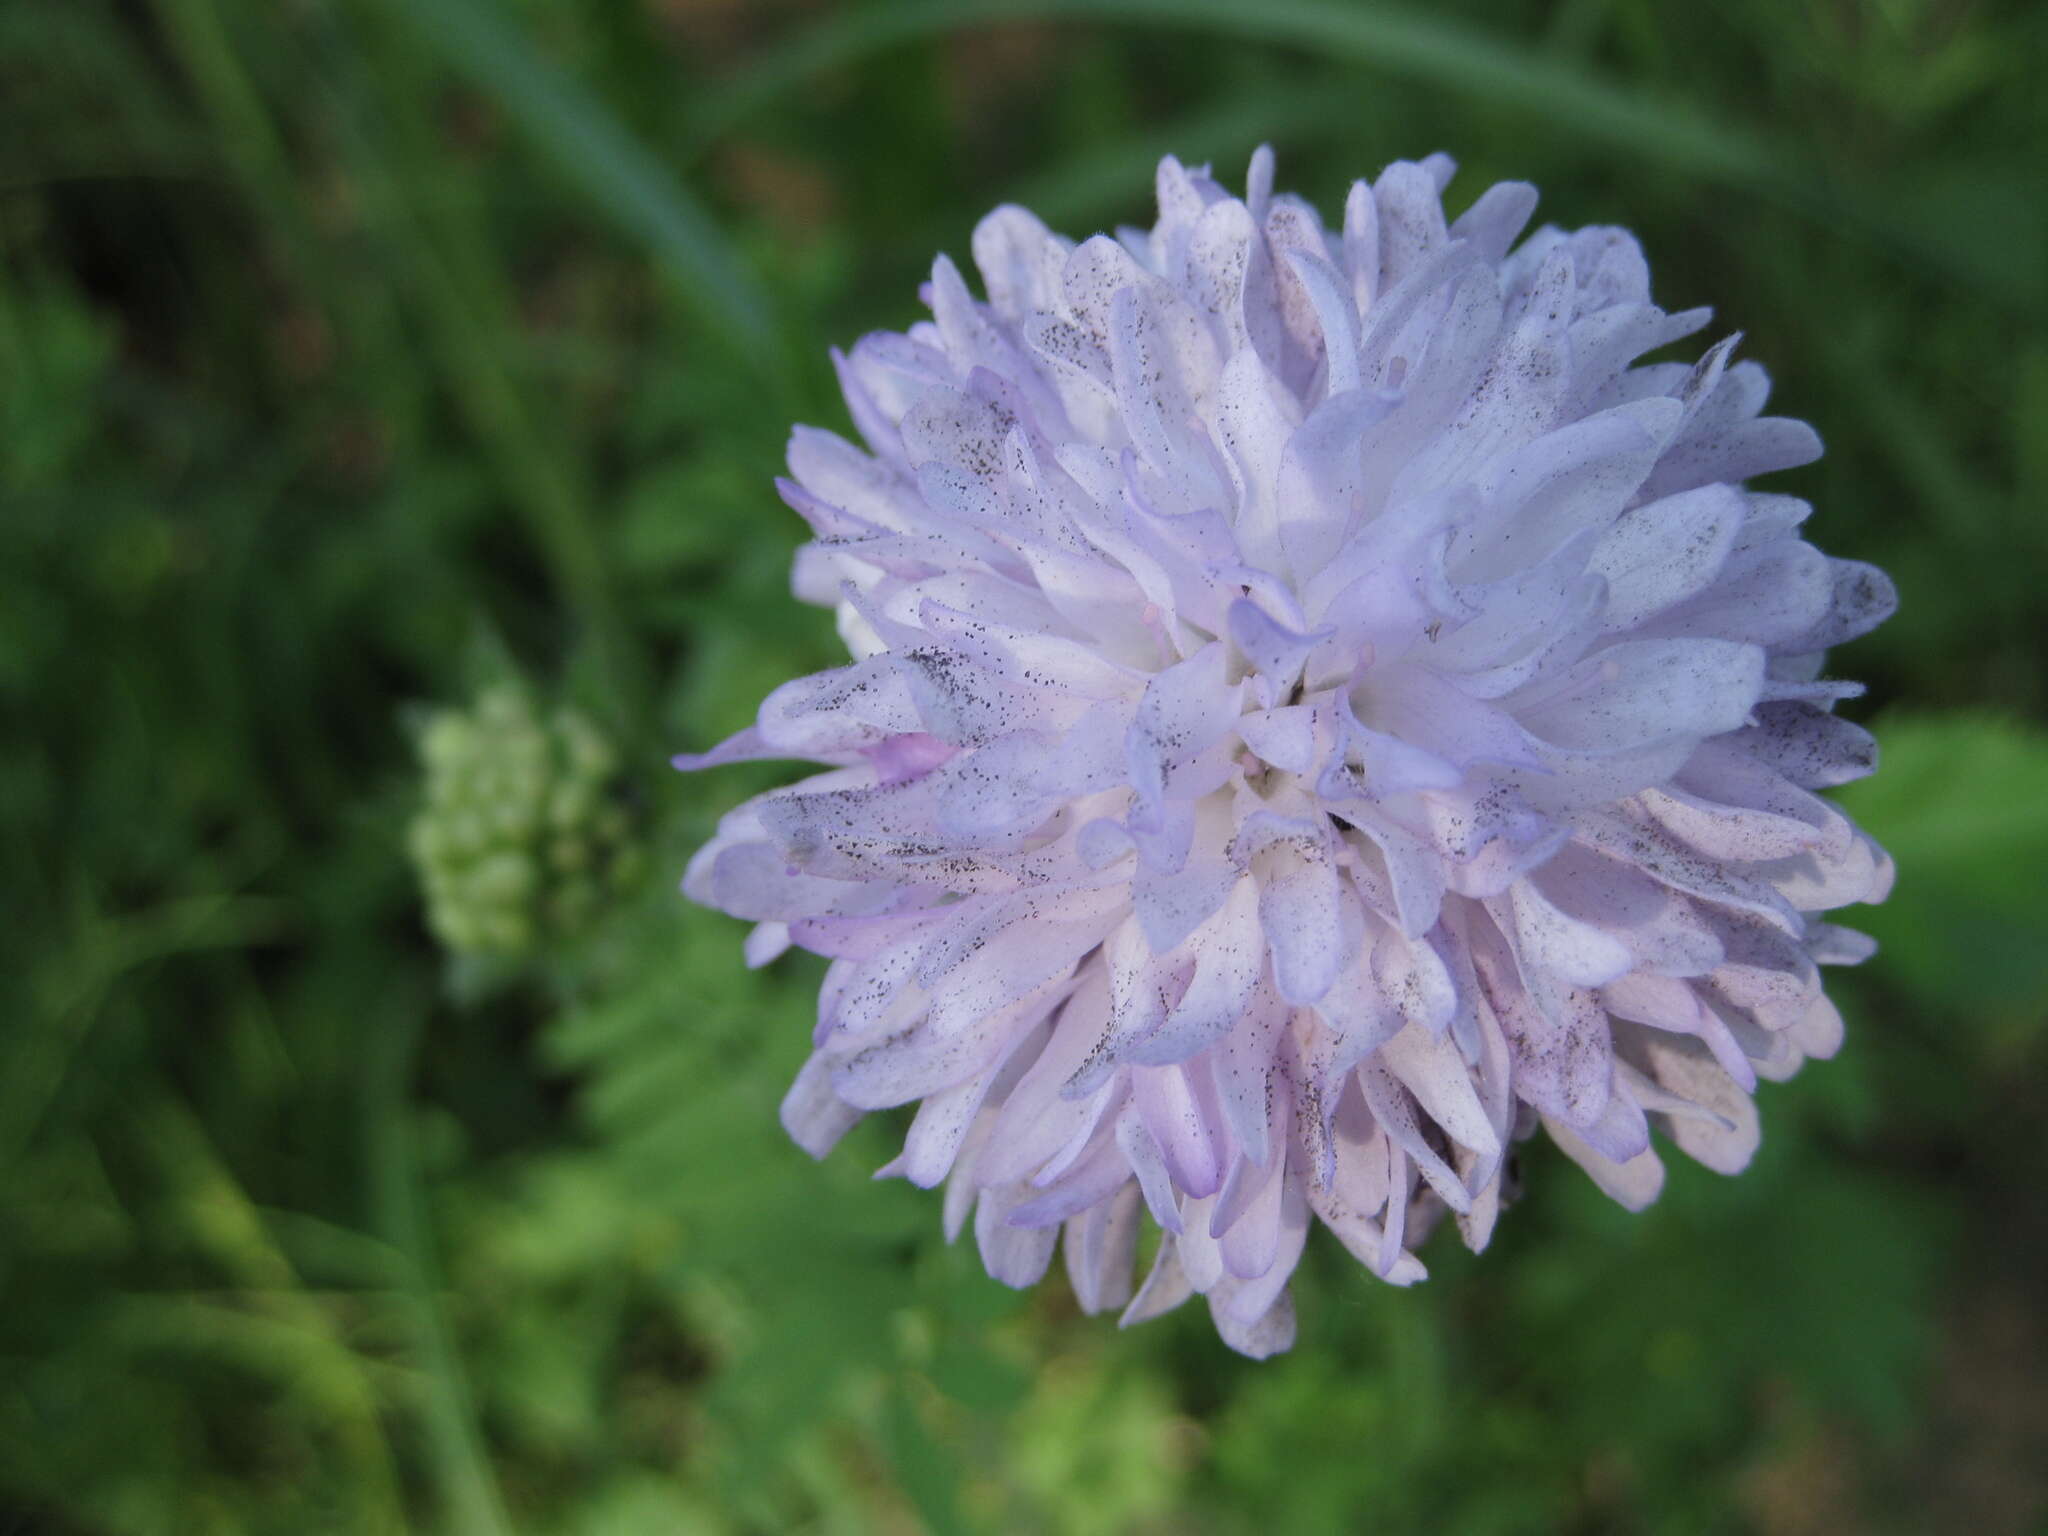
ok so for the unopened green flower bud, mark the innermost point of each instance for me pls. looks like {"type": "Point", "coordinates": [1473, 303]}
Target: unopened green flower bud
{"type": "Point", "coordinates": [520, 836]}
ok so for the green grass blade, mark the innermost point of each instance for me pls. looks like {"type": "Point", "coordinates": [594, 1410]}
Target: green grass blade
{"type": "Point", "coordinates": [474, 1503]}
{"type": "Point", "coordinates": [596, 153]}
{"type": "Point", "coordinates": [1425, 48]}
{"type": "Point", "coordinates": [1459, 57]}
{"type": "Point", "coordinates": [1118, 175]}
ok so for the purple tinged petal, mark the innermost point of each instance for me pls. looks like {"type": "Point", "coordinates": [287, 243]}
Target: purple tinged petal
{"type": "Point", "coordinates": [814, 1115]}
{"type": "Point", "coordinates": [1090, 1182]}
{"type": "Point", "coordinates": [1393, 1107]}
{"type": "Point", "coordinates": [1620, 1132]}
{"type": "Point", "coordinates": [1358, 1008]}
{"type": "Point", "coordinates": [766, 944]}
{"type": "Point", "coordinates": [1365, 1239]}
{"type": "Point", "coordinates": [898, 759]}
{"type": "Point", "coordinates": [1637, 839]}
{"type": "Point", "coordinates": [1020, 262]}
{"type": "Point", "coordinates": [1362, 244]}
{"type": "Point", "coordinates": [1830, 944]}
{"type": "Point", "coordinates": [1101, 1245]}
{"type": "Point", "coordinates": [1659, 555]}
{"type": "Point", "coordinates": [1249, 1243]}
{"type": "Point", "coordinates": [1496, 216]}
{"type": "Point", "coordinates": [1229, 955]}
{"type": "Point", "coordinates": [1186, 711]}
{"type": "Point", "coordinates": [836, 712]}
{"type": "Point", "coordinates": [1411, 220]}
{"type": "Point", "coordinates": [1336, 313]}
{"type": "Point", "coordinates": [1819, 1030]}
{"type": "Point", "coordinates": [1256, 1317]}
{"type": "Point", "coordinates": [1674, 1006]}
{"type": "Point", "coordinates": [1319, 486]}
{"type": "Point", "coordinates": [963, 1190]}
{"type": "Point", "coordinates": [1200, 1255]}
{"type": "Point", "coordinates": [1165, 1287]}
{"type": "Point", "coordinates": [1038, 1118]}
{"type": "Point", "coordinates": [1181, 1127]}
{"type": "Point", "coordinates": [1432, 1070]}
{"type": "Point", "coordinates": [910, 1065]}
{"type": "Point", "coordinates": [940, 1127]}
{"type": "Point", "coordinates": [1864, 597]}
{"type": "Point", "coordinates": [1394, 1223]}
{"type": "Point", "coordinates": [1102, 842]}
{"type": "Point", "coordinates": [1574, 951]}
{"type": "Point", "coordinates": [1142, 1152]}
{"type": "Point", "coordinates": [1557, 1035]}
{"type": "Point", "coordinates": [1284, 737]}
{"type": "Point", "coordinates": [1243, 1068]}
{"type": "Point", "coordinates": [1732, 834]}
{"type": "Point", "coordinates": [1162, 833]}
{"type": "Point", "coordinates": [1026, 960]}
{"type": "Point", "coordinates": [1634, 1184]}
{"type": "Point", "coordinates": [1017, 1256]}
{"type": "Point", "coordinates": [1725, 1134]}
{"type": "Point", "coordinates": [1169, 907]}
{"type": "Point", "coordinates": [1569, 483]}
{"type": "Point", "coordinates": [1644, 692]}
{"type": "Point", "coordinates": [1768, 596]}
{"type": "Point", "coordinates": [745, 747]}
{"type": "Point", "coordinates": [1311, 921]}
{"type": "Point", "coordinates": [1411, 973]}
{"type": "Point", "coordinates": [1275, 650]}
{"type": "Point", "coordinates": [1387, 765]}
{"type": "Point", "coordinates": [1664, 933]}
{"type": "Point", "coordinates": [1414, 872]}
{"type": "Point", "coordinates": [1734, 453]}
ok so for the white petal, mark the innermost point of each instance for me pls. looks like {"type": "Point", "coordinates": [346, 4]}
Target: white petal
{"type": "Point", "coordinates": [1187, 710]}
{"type": "Point", "coordinates": [1727, 1139]}
{"type": "Point", "coordinates": [812, 1113]}
{"type": "Point", "coordinates": [1100, 1245]}
{"type": "Point", "coordinates": [1230, 952]}
{"type": "Point", "coordinates": [1661, 554]}
{"type": "Point", "coordinates": [1017, 1256]}
{"type": "Point", "coordinates": [1572, 950]}
{"type": "Point", "coordinates": [1171, 1108]}
{"type": "Point", "coordinates": [1643, 692]}
{"type": "Point", "coordinates": [1432, 1070]}
{"type": "Point", "coordinates": [1165, 1288]}
{"type": "Point", "coordinates": [1634, 1184]}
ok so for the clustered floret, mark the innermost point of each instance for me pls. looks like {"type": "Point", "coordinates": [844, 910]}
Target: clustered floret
{"type": "Point", "coordinates": [521, 834]}
{"type": "Point", "coordinates": [1320, 710]}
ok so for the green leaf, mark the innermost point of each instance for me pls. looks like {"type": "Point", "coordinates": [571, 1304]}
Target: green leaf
{"type": "Point", "coordinates": [1958, 802]}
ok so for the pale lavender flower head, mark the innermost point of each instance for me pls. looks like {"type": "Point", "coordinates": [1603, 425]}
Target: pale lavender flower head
{"type": "Point", "coordinates": [1319, 713]}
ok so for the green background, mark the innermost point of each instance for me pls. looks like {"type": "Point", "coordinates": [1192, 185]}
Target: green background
{"type": "Point", "coordinates": [355, 354]}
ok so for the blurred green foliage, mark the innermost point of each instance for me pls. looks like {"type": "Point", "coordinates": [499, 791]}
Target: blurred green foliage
{"type": "Point", "coordinates": [335, 334]}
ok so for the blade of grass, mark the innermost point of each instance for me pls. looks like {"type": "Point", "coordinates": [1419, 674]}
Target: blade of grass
{"type": "Point", "coordinates": [457, 298]}
{"type": "Point", "coordinates": [75, 982]}
{"type": "Point", "coordinates": [1085, 186]}
{"type": "Point", "coordinates": [269, 1323]}
{"type": "Point", "coordinates": [928, 1475]}
{"type": "Point", "coordinates": [464, 300]}
{"type": "Point", "coordinates": [1441, 52]}
{"type": "Point", "coordinates": [462, 1465]}
{"type": "Point", "coordinates": [606, 163]}
{"type": "Point", "coordinates": [1450, 54]}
